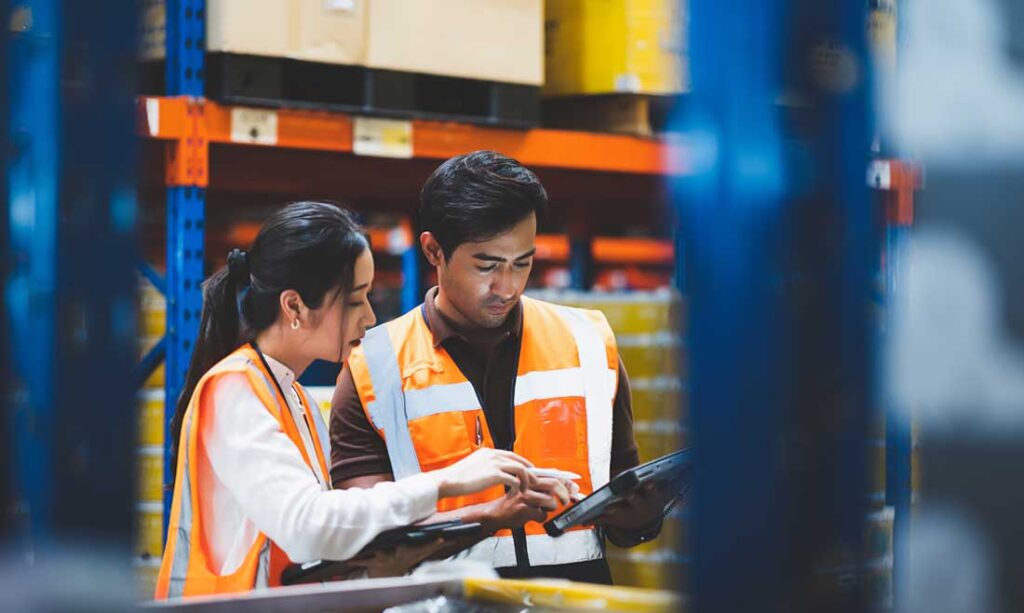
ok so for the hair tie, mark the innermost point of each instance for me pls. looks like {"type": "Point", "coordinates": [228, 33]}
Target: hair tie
{"type": "Point", "coordinates": [238, 267]}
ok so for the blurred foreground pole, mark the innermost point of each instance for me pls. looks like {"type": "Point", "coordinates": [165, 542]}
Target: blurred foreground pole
{"type": "Point", "coordinates": [781, 250]}
{"type": "Point", "coordinates": [68, 286]}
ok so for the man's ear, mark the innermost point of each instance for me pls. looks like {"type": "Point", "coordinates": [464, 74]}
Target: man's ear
{"type": "Point", "coordinates": [431, 249]}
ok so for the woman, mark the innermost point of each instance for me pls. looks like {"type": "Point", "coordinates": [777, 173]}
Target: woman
{"type": "Point", "coordinates": [252, 490]}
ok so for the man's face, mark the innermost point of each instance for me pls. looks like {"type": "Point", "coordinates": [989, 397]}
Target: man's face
{"type": "Point", "coordinates": [483, 281]}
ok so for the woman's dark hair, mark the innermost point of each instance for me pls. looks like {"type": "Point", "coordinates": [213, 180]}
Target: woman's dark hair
{"type": "Point", "coordinates": [310, 247]}
{"type": "Point", "coordinates": [477, 196]}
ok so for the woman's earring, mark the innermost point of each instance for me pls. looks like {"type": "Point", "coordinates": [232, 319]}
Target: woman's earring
{"type": "Point", "coordinates": [295, 324]}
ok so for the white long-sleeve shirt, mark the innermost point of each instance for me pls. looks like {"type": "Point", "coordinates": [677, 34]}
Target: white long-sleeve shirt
{"type": "Point", "coordinates": [252, 479]}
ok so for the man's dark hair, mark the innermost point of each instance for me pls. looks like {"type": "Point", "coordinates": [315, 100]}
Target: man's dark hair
{"type": "Point", "coordinates": [477, 196]}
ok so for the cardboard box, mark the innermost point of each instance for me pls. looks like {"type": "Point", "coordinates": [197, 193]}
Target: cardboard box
{"type": "Point", "coordinates": [614, 46]}
{"type": "Point", "coordinates": [491, 40]}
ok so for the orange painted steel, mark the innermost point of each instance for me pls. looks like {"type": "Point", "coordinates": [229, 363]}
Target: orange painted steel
{"type": "Point", "coordinates": [328, 131]}
{"type": "Point", "coordinates": [609, 250]}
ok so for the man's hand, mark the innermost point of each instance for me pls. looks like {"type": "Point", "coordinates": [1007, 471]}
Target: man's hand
{"type": "Point", "coordinates": [533, 503]}
{"type": "Point", "coordinates": [640, 510]}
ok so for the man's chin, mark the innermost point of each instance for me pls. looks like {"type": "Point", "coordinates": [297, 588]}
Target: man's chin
{"type": "Point", "coordinates": [490, 321]}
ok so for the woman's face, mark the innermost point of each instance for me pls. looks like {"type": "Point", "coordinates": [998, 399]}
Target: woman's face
{"type": "Point", "coordinates": [348, 321]}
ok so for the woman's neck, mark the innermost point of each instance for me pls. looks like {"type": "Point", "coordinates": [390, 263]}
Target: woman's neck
{"type": "Point", "coordinates": [272, 343]}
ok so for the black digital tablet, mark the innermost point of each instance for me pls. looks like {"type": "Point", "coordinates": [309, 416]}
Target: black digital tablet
{"type": "Point", "coordinates": [417, 534]}
{"type": "Point", "coordinates": [672, 469]}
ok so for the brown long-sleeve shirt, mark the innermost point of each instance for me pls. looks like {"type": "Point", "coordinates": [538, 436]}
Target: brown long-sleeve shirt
{"type": "Point", "coordinates": [358, 450]}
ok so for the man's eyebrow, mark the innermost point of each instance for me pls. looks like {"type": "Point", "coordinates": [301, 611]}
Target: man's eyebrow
{"type": "Point", "coordinates": [493, 258]}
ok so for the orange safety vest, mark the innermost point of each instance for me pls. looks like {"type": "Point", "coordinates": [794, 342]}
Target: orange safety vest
{"type": "Point", "coordinates": [429, 415]}
{"type": "Point", "coordinates": [185, 570]}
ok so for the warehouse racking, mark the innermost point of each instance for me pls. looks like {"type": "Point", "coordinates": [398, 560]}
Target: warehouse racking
{"type": "Point", "coordinates": [193, 145]}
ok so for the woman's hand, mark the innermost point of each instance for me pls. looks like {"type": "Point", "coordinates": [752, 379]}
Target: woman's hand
{"type": "Point", "coordinates": [482, 469]}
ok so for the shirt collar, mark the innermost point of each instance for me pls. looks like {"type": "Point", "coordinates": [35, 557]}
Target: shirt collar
{"type": "Point", "coordinates": [284, 375]}
{"type": "Point", "coordinates": [443, 330]}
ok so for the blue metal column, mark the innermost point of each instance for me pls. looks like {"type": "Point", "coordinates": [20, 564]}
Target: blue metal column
{"type": "Point", "coordinates": [898, 430]}
{"type": "Point", "coordinates": [186, 215]}
{"type": "Point", "coordinates": [33, 172]}
{"type": "Point", "coordinates": [581, 261]}
{"type": "Point", "coordinates": [70, 293]}
{"type": "Point", "coordinates": [779, 239]}
{"type": "Point", "coordinates": [412, 278]}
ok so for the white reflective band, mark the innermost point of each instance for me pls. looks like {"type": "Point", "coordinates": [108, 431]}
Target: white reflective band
{"type": "Point", "coordinates": [388, 409]}
{"type": "Point", "coordinates": [183, 544]}
{"type": "Point", "coordinates": [599, 392]}
{"type": "Point", "coordinates": [571, 547]}
{"type": "Point", "coordinates": [541, 384]}
{"type": "Point", "coordinates": [318, 424]}
{"type": "Point", "coordinates": [441, 399]}
{"type": "Point", "coordinates": [543, 550]}
{"type": "Point", "coordinates": [263, 567]}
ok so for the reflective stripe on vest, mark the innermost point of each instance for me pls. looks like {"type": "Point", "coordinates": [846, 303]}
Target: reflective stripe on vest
{"type": "Point", "coordinates": [387, 411]}
{"type": "Point", "coordinates": [185, 571]}
{"type": "Point", "coordinates": [390, 407]}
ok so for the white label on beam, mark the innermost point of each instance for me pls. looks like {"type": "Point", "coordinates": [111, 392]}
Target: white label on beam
{"type": "Point", "coordinates": [254, 126]}
{"type": "Point", "coordinates": [153, 116]}
{"type": "Point", "coordinates": [879, 175]}
{"type": "Point", "coordinates": [388, 138]}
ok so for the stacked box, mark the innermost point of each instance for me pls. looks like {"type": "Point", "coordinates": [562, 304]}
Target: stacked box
{"type": "Point", "coordinates": [150, 444]}
{"type": "Point", "coordinates": [425, 36]}
{"type": "Point", "coordinates": [614, 47]}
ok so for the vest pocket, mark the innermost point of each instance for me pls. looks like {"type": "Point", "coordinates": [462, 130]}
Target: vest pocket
{"type": "Point", "coordinates": [441, 439]}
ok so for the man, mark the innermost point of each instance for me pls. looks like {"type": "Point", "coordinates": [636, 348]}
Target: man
{"type": "Point", "coordinates": [477, 364]}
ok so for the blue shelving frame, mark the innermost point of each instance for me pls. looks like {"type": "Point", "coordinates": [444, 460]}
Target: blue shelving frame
{"type": "Point", "coordinates": [69, 330]}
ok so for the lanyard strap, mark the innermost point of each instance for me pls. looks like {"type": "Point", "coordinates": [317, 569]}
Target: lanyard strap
{"type": "Point", "coordinates": [284, 398]}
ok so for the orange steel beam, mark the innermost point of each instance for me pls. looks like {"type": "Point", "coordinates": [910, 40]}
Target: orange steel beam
{"type": "Point", "coordinates": [330, 131]}
{"type": "Point", "coordinates": [609, 250]}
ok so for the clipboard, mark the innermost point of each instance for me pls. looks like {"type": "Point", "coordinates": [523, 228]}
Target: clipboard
{"type": "Point", "coordinates": [672, 469]}
{"type": "Point", "coordinates": [417, 534]}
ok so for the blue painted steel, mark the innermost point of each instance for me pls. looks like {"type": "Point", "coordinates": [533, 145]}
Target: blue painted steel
{"type": "Point", "coordinates": [898, 431]}
{"type": "Point", "coordinates": [186, 47]}
{"type": "Point", "coordinates": [185, 76]}
{"type": "Point", "coordinates": [33, 172]}
{"type": "Point", "coordinates": [779, 316]}
{"type": "Point", "coordinates": [412, 278]}
{"type": "Point", "coordinates": [150, 362]}
{"type": "Point", "coordinates": [154, 277]}
{"type": "Point", "coordinates": [70, 294]}
{"type": "Point", "coordinates": [581, 262]}
{"type": "Point", "coordinates": [186, 209]}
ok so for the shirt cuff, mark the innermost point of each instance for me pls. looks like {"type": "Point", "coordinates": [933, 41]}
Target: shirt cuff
{"type": "Point", "coordinates": [422, 491]}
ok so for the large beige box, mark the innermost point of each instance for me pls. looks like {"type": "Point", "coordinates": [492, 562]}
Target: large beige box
{"type": "Point", "coordinates": [491, 40]}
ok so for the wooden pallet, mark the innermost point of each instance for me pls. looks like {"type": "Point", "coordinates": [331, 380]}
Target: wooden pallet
{"type": "Point", "coordinates": [282, 82]}
{"type": "Point", "coordinates": [636, 114]}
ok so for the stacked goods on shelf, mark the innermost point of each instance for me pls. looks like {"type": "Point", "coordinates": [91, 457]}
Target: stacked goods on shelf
{"type": "Point", "coordinates": [388, 56]}
{"type": "Point", "coordinates": [649, 328]}
{"type": "Point", "coordinates": [150, 450]}
{"type": "Point", "coordinates": [613, 65]}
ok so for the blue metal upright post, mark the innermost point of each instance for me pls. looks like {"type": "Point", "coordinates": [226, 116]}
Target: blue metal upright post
{"type": "Point", "coordinates": [33, 172]}
{"type": "Point", "coordinates": [412, 282]}
{"type": "Point", "coordinates": [70, 293]}
{"type": "Point", "coordinates": [898, 427]}
{"type": "Point", "coordinates": [778, 233]}
{"type": "Point", "coordinates": [186, 220]}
